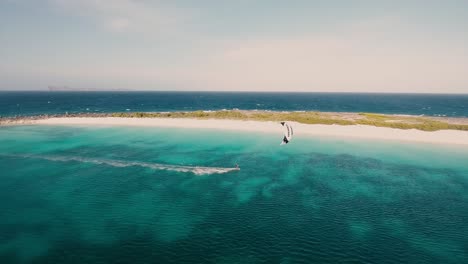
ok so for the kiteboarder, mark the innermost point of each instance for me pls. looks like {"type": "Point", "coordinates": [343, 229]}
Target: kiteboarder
{"type": "Point", "coordinates": [237, 167]}
{"type": "Point", "coordinates": [288, 133]}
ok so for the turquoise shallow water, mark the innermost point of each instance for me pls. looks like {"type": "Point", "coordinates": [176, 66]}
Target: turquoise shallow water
{"type": "Point", "coordinates": [113, 195]}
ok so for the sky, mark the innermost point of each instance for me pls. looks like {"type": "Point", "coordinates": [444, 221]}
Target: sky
{"type": "Point", "coordinates": [409, 46]}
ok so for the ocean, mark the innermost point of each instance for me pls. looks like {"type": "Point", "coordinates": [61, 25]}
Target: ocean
{"type": "Point", "coordinates": [158, 195]}
{"type": "Point", "coordinates": [36, 103]}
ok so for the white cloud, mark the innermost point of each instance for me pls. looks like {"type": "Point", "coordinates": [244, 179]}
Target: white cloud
{"type": "Point", "coordinates": [126, 15]}
{"type": "Point", "coordinates": [118, 24]}
{"type": "Point", "coordinates": [362, 57]}
{"type": "Point", "coordinates": [382, 55]}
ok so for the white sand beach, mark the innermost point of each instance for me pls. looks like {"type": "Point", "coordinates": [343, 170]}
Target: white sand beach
{"type": "Point", "coordinates": [354, 131]}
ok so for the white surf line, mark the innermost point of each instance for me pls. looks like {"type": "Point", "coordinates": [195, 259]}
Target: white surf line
{"type": "Point", "coordinates": [197, 170]}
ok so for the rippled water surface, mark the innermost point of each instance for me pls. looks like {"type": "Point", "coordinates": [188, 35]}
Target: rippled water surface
{"type": "Point", "coordinates": [36, 103]}
{"type": "Point", "coordinates": [105, 195]}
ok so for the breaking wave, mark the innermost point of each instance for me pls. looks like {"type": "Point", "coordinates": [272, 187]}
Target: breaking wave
{"type": "Point", "coordinates": [197, 170]}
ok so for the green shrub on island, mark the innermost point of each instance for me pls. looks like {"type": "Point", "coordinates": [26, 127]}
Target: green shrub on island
{"type": "Point", "coordinates": [370, 119]}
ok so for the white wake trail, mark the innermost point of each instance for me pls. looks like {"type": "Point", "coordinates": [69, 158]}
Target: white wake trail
{"type": "Point", "coordinates": [197, 170]}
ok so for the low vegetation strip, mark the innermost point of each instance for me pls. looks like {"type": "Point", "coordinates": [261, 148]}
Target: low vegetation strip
{"type": "Point", "coordinates": [326, 118]}
{"type": "Point", "coordinates": [378, 120]}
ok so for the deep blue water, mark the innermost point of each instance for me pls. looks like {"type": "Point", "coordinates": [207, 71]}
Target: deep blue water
{"type": "Point", "coordinates": [35, 103]}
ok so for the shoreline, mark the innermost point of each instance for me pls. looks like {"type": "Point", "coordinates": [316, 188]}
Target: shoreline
{"type": "Point", "coordinates": [335, 131]}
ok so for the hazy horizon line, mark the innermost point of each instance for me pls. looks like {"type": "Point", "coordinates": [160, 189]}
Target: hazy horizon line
{"type": "Point", "coordinates": [229, 91]}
